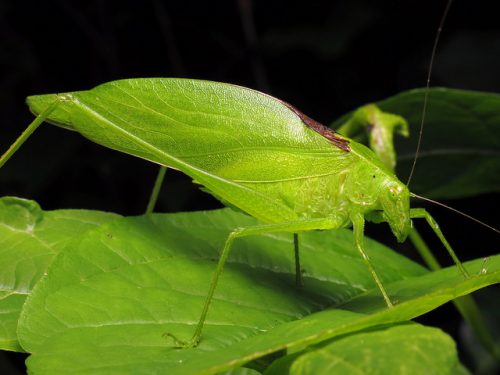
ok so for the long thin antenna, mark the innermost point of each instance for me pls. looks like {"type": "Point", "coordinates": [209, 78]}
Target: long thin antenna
{"type": "Point", "coordinates": [427, 87]}
{"type": "Point", "coordinates": [455, 210]}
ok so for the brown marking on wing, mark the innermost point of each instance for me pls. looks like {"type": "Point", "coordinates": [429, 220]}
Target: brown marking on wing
{"type": "Point", "coordinates": [326, 132]}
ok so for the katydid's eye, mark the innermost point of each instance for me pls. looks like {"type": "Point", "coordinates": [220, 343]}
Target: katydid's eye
{"type": "Point", "coordinates": [395, 190]}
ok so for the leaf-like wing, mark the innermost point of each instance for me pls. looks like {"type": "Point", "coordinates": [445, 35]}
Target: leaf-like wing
{"type": "Point", "coordinates": [238, 142]}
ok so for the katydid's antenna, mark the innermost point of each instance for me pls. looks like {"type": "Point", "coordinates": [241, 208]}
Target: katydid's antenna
{"type": "Point", "coordinates": [455, 210]}
{"type": "Point", "coordinates": [427, 87]}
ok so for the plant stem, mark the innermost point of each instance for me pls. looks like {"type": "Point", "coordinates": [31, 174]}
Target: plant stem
{"type": "Point", "coordinates": [424, 250]}
{"type": "Point", "coordinates": [465, 305]}
{"type": "Point", "coordinates": [156, 190]}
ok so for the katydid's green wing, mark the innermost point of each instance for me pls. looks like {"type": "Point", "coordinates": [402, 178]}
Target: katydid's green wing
{"type": "Point", "coordinates": [238, 142]}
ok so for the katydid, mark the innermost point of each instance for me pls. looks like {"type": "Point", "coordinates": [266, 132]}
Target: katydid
{"type": "Point", "coordinates": [252, 151]}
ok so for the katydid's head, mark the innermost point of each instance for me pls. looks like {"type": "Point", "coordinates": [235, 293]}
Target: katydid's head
{"type": "Point", "coordinates": [395, 200]}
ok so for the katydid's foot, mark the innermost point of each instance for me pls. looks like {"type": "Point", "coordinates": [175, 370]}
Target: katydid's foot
{"type": "Point", "coordinates": [463, 271]}
{"type": "Point", "coordinates": [386, 298]}
{"type": "Point", "coordinates": [181, 344]}
{"type": "Point", "coordinates": [484, 269]}
{"type": "Point", "coordinates": [389, 303]}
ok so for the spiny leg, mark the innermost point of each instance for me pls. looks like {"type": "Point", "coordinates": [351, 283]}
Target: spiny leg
{"type": "Point", "coordinates": [293, 227]}
{"type": "Point", "coordinates": [298, 270]}
{"type": "Point", "coordinates": [358, 224]}
{"type": "Point", "coordinates": [421, 213]}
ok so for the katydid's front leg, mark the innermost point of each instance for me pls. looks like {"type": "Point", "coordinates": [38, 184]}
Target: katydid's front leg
{"type": "Point", "coordinates": [293, 227]}
{"type": "Point", "coordinates": [420, 213]}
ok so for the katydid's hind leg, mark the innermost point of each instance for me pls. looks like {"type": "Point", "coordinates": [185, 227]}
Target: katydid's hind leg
{"type": "Point", "coordinates": [299, 282]}
{"type": "Point", "coordinates": [420, 213]}
{"type": "Point", "coordinates": [29, 130]}
{"type": "Point", "coordinates": [358, 223]}
{"type": "Point", "coordinates": [292, 227]}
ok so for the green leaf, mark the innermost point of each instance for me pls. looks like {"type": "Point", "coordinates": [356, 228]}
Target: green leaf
{"type": "Point", "coordinates": [240, 371]}
{"type": "Point", "coordinates": [398, 349]}
{"type": "Point", "coordinates": [107, 301]}
{"type": "Point", "coordinates": [29, 240]}
{"type": "Point", "coordinates": [460, 152]}
{"type": "Point", "coordinates": [485, 355]}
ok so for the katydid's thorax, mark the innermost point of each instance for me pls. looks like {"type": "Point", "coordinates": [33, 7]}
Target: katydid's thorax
{"type": "Point", "coordinates": [377, 188]}
{"type": "Point", "coordinates": [362, 184]}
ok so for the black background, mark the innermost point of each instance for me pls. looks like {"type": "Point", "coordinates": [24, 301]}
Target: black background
{"type": "Point", "coordinates": [325, 57]}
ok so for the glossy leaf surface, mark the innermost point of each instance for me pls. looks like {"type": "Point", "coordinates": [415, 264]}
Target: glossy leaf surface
{"type": "Point", "coordinates": [397, 349]}
{"type": "Point", "coordinates": [106, 303]}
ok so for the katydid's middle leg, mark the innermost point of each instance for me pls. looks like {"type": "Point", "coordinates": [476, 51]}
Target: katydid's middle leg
{"type": "Point", "coordinates": [156, 190]}
{"type": "Point", "coordinates": [298, 270]}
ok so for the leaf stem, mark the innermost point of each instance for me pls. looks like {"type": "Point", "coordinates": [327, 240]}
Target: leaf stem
{"type": "Point", "coordinates": [153, 198]}
{"type": "Point", "coordinates": [424, 250]}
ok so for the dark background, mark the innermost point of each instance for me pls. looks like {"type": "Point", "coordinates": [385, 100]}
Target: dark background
{"type": "Point", "coordinates": [326, 57]}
